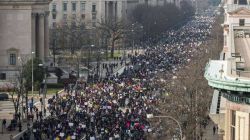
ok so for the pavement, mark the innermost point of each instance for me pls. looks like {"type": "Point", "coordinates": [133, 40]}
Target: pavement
{"type": "Point", "coordinates": [208, 132]}
{"type": "Point", "coordinates": [15, 133]}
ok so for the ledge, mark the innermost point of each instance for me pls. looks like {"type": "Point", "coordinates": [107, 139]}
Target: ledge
{"type": "Point", "coordinates": [217, 74]}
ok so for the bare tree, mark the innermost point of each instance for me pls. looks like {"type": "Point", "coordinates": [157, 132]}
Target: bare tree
{"type": "Point", "coordinates": [70, 36]}
{"type": "Point", "coordinates": [188, 95]}
{"type": "Point", "coordinates": [114, 30]}
{"type": "Point", "coordinates": [157, 19]}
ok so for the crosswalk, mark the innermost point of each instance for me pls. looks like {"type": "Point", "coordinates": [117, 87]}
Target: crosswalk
{"type": "Point", "coordinates": [6, 109]}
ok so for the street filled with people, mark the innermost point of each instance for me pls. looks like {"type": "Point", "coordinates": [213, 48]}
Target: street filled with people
{"type": "Point", "coordinates": [116, 107]}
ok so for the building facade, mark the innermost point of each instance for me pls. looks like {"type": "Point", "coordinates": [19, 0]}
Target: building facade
{"type": "Point", "coordinates": [23, 30]}
{"type": "Point", "coordinates": [93, 11]}
{"type": "Point", "coordinates": [230, 76]}
{"type": "Point", "coordinates": [88, 11]}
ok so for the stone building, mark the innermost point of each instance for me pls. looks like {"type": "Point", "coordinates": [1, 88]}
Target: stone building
{"type": "Point", "coordinates": [93, 11]}
{"type": "Point", "coordinates": [230, 77]}
{"type": "Point", "coordinates": [89, 11]}
{"type": "Point", "coordinates": [23, 30]}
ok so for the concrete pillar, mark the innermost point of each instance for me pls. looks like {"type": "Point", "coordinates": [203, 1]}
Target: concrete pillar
{"type": "Point", "coordinates": [115, 10]}
{"type": "Point", "coordinates": [220, 134]}
{"type": "Point", "coordinates": [41, 36]}
{"type": "Point", "coordinates": [105, 16]}
{"type": "Point", "coordinates": [46, 35]}
{"type": "Point", "coordinates": [33, 32]}
{"type": "Point", "coordinates": [228, 122]}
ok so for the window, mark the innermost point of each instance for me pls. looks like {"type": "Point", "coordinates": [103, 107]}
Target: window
{"type": "Point", "coordinates": [93, 24]}
{"type": "Point", "coordinates": [65, 7]}
{"type": "Point", "coordinates": [73, 16]}
{"type": "Point", "coordinates": [54, 24]}
{"type": "Point", "coordinates": [64, 17]}
{"type": "Point", "coordinates": [12, 59]}
{"type": "Point", "coordinates": [242, 2]}
{"type": "Point", "coordinates": [2, 76]}
{"type": "Point", "coordinates": [93, 8]}
{"type": "Point", "coordinates": [225, 40]}
{"type": "Point", "coordinates": [233, 119]}
{"type": "Point", "coordinates": [73, 6]}
{"type": "Point", "coordinates": [54, 8]}
{"type": "Point", "coordinates": [83, 16]}
{"type": "Point", "coordinates": [93, 16]}
{"type": "Point", "coordinates": [53, 16]}
{"type": "Point", "coordinates": [235, 1]}
{"type": "Point", "coordinates": [83, 6]}
{"type": "Point", "coordinates": [242, 22]}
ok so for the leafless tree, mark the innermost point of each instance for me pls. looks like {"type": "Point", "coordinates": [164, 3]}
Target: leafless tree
{"type": "Point", "coordinates": [157, 19]}
{"type": "Point", "coordinates": [114, 30]}
{"type": "Point", "coordinates": [188, 95]}
{"type": "Point", "coordinates": [70, 36]}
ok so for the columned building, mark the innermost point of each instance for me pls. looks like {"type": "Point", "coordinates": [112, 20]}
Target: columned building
{"type": "Point", "coordinates": [230, 76]}
{"type": "Point", "coordinates": [88, 11]}
{"type": "Point", "coordinates": [23, 30]}
{"type": "Point", "coordinates": [93, 11]}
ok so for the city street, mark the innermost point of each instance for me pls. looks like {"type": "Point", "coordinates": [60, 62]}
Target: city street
{"type": "Point", "coordinates": [120, 96]}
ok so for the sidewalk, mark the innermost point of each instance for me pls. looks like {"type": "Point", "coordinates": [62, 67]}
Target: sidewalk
{"type": "Point", "coordinates": [15, 133]}
{"type": "Point", "coordinates": [208, 135]}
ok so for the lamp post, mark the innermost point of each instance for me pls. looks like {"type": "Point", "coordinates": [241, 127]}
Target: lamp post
{"type": "Point", "coordinates": [91, 46]}
{"type": "Point", "coordinates": [141, 29]}
{"type": "Point", "coordinates": [44, 88]}
{"type": "Point", "coordinates": [169, 117]}
{"type": "Point", "coordinates": [102, 52]}
{"type": "Point", "coordinates": [133, 38]}
{"type": "Point", "coordinates": [32, 77]}
{"type": "Point", "coordinates": [133, 44]}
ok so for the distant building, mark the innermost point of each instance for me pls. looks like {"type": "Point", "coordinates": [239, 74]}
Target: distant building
{"type": "Point", "coordinates": [93, 11]}
{"type": "Point", "coordinates": [230, 76]}
{"type": "Point", "coordinates": [89, 11]}
{"type": "Point", "coordinates": [23, 30]}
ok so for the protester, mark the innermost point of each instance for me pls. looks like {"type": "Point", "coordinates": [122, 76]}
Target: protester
{"type": "Point", "coordinates": [117, 106]}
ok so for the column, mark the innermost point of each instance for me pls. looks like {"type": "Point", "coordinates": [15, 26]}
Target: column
{"type": "Point", "coordinates": [41, 36]}
{"type": "Point", "coordinates": [105, 16]}
{"type": "Point", "coordinates": [33, 31]}
{"type": "Point", "coordinates": [46, 35]}
{"type": "Point", "coordinates": [115, 10]}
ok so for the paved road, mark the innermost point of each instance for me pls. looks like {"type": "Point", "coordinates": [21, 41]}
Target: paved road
{"type": "Point", "coordinates": [7, 111]}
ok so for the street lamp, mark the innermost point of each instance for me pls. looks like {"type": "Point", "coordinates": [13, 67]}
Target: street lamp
{"type": "Point", "coordinates": [133, 41]}
{"type": "Point", "coordinates": [102, 52]}
{"type": "Point", "coordinates": [150, 116]}
{"type": "Point", "coordinates": [44, 88]}
{"type": "Point", "coordinates": [91, 46]}
{"type": "Point", "coordinates": [32, 67]}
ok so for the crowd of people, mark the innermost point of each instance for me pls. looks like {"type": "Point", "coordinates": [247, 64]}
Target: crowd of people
{"type": "Point", "coordinates": [116, 107]}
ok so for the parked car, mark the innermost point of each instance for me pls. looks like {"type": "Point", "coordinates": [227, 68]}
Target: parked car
{"type": "Point", "coordinates": [4, 96]}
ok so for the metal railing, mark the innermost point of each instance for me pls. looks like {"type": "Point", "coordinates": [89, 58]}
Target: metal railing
{"type": "Point", "coordinates": [237, 98]}
{"type": "Point", "coordinates": [233, 7]}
